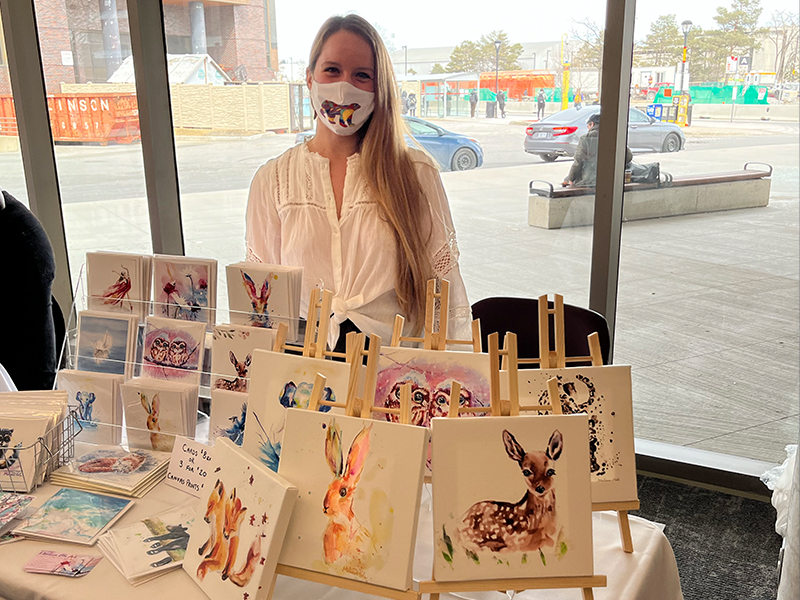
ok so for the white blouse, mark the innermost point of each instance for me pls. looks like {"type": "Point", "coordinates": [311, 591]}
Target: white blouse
{"type": "Point", "coordinates": [291, 220]}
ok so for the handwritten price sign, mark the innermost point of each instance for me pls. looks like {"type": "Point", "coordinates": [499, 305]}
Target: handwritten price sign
{"type": "Point", "coordinates": [189, 466]}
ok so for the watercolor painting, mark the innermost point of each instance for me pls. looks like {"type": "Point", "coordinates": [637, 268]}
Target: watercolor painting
{"type": "Point", "coordinates": [74, 516]}
{"type": "Point", "coordinates": [228, 416]}
{"type": "Point", "coordinates": [173, 350]}
{"type": "Point", "coordinates": [239, 527]}
{"type": "Point", "coordinates": [431, 374]}
{"type": "Point", "coordinates": [511, 498]}
{"type": "Point", "coordinates": [232, 354]}
{"type": "Point", "coordinates": [96, 399]}
{"type": "Point", "coordinates": [118, 282]}
{"type": "Point", "coordinates": [279, 382]}
{"type": "Point", "coordinates": [12, 506]}
{"type": "Point", "coordinates": [359, 484]}
{"type": "Point", "coordinates": [262, 295]}
{"type": "Point", "coordinates": [182, 289]}
{"type": "Point", "coordinates": [155, 414]}
{"type": "Point", "coordinates": [17, 454]}
{"type": "Point", "coordinates": [603, 393]}
{"type": "Point", "coordinates": [116, 466]}
{"type": "Point", "coordinates": [103, 344]}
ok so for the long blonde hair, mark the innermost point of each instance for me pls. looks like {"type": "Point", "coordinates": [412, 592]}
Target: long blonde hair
{"type": "Point", "coordinates": [389, 170]}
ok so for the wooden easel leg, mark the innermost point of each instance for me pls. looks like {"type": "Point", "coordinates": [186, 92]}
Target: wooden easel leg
{"type": "Point", "coordinates": [588, 594]}
{"type": "Point", "coordinates": [434, 596]}
{"type": "Point", "coordinates": [625, 531]}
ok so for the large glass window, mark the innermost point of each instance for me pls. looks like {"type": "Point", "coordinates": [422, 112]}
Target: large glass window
{"type": "Point", "coordinates": [708, 295]}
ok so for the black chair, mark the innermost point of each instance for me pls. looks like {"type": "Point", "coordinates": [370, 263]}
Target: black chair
{"type": "Point", "coordinates": [521, 316]}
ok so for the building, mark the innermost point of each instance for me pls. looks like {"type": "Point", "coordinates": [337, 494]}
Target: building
{"type": "Point", "coordinates": [86, 41]}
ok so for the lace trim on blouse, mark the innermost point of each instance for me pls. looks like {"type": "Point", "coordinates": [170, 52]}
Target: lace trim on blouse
{"type": "Point", "coordinates": [446, 258]}
{"type": "Point", "coordinates": [252, 256]}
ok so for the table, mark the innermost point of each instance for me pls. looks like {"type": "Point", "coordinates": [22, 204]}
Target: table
{"type": "Point", "coordinates": [650, 573]}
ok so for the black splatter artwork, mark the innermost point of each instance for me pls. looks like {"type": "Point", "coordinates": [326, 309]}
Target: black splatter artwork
{"type": "Point", "coordinates": [580, 396]}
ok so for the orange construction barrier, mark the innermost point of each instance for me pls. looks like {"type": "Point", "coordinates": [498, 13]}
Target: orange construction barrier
{"type": "Point", "coordinates": [99, 118]}
{"type": "Point", "coordinates": [8, 118]}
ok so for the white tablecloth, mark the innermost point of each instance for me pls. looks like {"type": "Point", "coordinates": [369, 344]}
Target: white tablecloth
{"type": "Point", "coordinates": [650, 573]}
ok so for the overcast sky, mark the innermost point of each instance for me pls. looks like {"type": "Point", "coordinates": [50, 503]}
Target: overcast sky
{"type": "Point", "coordinates": [439, 23]}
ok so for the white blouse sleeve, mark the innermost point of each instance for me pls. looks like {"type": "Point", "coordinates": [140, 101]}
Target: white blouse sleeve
{"type": "Point", "coordinates": [444, 251]}
{"type": "Point", "coordinates": [263, 235]}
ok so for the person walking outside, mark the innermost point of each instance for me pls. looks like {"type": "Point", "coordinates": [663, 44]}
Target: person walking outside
{"type": "Point", "coordinates": [473, 103]}
{"type": "Point", "coordinates": [540, 104]}
{"type": "Point", "coordinates": [578, 99]}
{"type": "Point", "coordinates": [501, 101]}
{"type": "Point", "coordinates": [412, 105]}
{"type": "Point", "coordinates": [584, 168]}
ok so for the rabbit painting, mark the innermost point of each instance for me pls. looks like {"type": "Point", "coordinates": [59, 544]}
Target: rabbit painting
{"type": "Point", "coordinates": [347, 543]}
{"type": "Point", "coordinates": [158, 441]}
{"type": "Point", "coordinates": [259, 315]}
{"type": "Point", "coordinates": [522, 526]}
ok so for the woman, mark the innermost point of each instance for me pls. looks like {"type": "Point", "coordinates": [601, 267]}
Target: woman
{"type": "Point", "coordinates": [366, 216]}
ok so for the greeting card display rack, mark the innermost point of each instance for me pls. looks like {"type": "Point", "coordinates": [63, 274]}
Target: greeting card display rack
{"type": "Point", "coordinates": [435, 334]}
{"type": "Point", "coordinates": [355, 407]}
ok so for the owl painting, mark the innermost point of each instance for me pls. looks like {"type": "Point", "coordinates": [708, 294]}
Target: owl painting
{"type": "Point", "coordinates": [172, 353]}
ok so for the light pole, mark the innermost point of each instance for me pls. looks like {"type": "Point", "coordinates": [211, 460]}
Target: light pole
{"type": "Point", "coordinates": [496, 72]}
{"type": "Point", "coordinates": [547, 61]}
{"type": "Point", "coordinates": [405, 50]}
{"type": "Point", "coordinates": [686, 26]}
{"type": "Point", "coordinates": [534, 61]}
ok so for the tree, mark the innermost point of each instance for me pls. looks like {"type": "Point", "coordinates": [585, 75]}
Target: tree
{"type": "Point", "coordinates": [783, 30]}
{"type": "Point", "coordinates": [707, 55]}
{"type": "Point", "coordinates": [738, 27]}
{"type": "Point", "coordinates": [480, 56]}
{"type": "Point", "coordinates": [663, 46]}
{"type": "Point", "coordinates": [589, 52]}
{"type": "Point", "coordinates": [437, 68]}
{"type": "Point", "coordinates": [411, 72]}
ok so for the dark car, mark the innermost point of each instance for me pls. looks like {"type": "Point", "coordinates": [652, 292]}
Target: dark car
{"type": "Point", "coordinates": [558, 134]}
{"type": "Point", "coordinates": [453, 151]}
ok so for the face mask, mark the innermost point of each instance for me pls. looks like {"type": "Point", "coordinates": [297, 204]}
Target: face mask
{"type": "Point", "coordinates": [341, 106]}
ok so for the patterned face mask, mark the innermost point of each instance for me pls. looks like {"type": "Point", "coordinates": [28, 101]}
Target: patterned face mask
{"type": "Point", "coordinates": [341, 106]}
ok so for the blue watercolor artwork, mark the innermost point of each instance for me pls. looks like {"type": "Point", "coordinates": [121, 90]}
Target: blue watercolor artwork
{"type": "Point", "coordinates": [102, 345]}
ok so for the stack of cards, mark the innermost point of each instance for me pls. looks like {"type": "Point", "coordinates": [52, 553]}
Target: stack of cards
{"type": "Point", "coordinates": [232, 353]}
{"type": "Point", "coordinates": [119, 282]}
{"type": "Point", "coordinates": [61, 563]}
{"type": "Point", "coordinates": [74, 516]}
{"type": "Point", "coordinates": [106, 343]}
{"type": "Point", "coordinates": [173, 349]}
{"type": "Point", "coordinates": [114, 470]}
{"type": "Point", "coordinates": [13, 508]}
{"type": "Point", "coordinates": [264, 295]}
{"type": "Point", "coordinates": [151, 547]}
{"type": "Point", "coordinates": [156, 411]}
{"type": "Point", "coordinates": [185, 288]}
{"type": "Point", "coordinates": [228, 416]}
{"type": "Point", "coordinates": [25, 417]}
{"type": "Point", "coordinates": [97, 399]}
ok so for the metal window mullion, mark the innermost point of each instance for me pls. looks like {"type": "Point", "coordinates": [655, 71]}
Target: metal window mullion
{"type": "Point", "coordinates": [616, 78]}
{"type": "Point", "coordinates": [35, 137]}
{"type": "Point", "coordinates": [148, 44]}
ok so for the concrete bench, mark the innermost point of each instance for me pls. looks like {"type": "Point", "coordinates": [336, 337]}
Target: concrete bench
{"type": "Point", "coordinates": [552, 207]}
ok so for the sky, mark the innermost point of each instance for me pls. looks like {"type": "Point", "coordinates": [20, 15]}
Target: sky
{"type": "Point", "coordinates": [437, 23]}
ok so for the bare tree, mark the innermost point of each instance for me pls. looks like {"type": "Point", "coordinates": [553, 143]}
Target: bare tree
{"type": "Point", "coordinates": [589, 52]}
{"type": "Point", "coordinates": [782, 30]}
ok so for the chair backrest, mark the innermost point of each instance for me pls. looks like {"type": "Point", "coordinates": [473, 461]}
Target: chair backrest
{"type": "Point", "coordinates": [520, 316]}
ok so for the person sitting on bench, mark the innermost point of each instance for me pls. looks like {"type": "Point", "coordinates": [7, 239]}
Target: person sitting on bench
{"type": "Point", "coordinates": [584, 168]}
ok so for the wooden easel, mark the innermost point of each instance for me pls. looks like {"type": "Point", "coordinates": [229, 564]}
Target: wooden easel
{"type": "Point", "coordinates": [315, 344]}
{"type": "Point", "coordinates": [436, 340]}
{"type": "Point", "coordinates": [351, 408]}
{"type": "Point", "coordinates": [557, 359]}
{"type": "Point", "coordinates": [509, 407]}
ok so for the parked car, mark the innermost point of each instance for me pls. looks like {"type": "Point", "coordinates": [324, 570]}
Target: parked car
{"type": "Point", "coordinates": [453, 151]}
{"type": "Point", "coordinates": [558, 134]}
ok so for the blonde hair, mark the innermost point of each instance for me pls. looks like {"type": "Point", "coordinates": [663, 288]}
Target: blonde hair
{"type": "Point", "coordinates": [389, 170]}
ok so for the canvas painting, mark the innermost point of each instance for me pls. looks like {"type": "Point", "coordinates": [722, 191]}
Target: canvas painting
{"type": "Point", "coordinates": [604, 393]}
{"type": "Point", "coordinates": [232, 354]}
{"type": "Point", "coordinates": [173, 349]}
{"type": "Point", "coordinates": [184, 289]}
{"type": "Point", "coordinates": [240, 524]}
{"type": "Point", "coordinates": [114, 465]}
{"type": "Point", "coordinates": [511, 498]}
{"type": "Point", "coordinates": [113, 282]}
{"type": "Point", "coordinates": [74, 516]}
{"type": "Point", "coordinates": [97, 400]}
{"type": "Point", "coordinates": [228, 416]}
{"type": "Point", "coordinates": [105, 343]}
{"type": "Point", "coordinates": [279, 382]}
{"type": "Point", "coordinates": [154, 414]}
{"type": "Point", "coordinates": [431, 373]}
{"type": "Point", "coordinates": [262, 295]}
{"type": "Point", "coordinates": [359, 483]}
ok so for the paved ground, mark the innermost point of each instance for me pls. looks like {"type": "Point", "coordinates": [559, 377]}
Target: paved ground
{"type": "Point", "coordinates": [708, 304]}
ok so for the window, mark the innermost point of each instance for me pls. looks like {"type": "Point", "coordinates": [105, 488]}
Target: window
{"type": "Point", "coordinates": [421, 129]}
